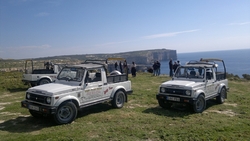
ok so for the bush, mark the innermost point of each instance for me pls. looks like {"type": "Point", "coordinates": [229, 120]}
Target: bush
{"type": "Point", "coordinates": [246, 76]}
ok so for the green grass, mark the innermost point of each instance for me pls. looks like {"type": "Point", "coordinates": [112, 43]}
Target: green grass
{"type": "Point", "coordinates": [140, 119]}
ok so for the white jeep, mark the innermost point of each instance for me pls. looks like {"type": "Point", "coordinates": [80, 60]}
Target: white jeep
{"type": "Point", "coordinates": [76, 87]}
{"type": "Point", "coordinates": [40, 76]}
{"type": "Point", "coordinates": [194, 84]}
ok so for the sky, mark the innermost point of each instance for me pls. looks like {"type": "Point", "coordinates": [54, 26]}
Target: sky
{"type": "Point", "coordinates": [43, 28]}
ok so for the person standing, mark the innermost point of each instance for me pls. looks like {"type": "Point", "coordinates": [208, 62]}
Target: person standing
{"type": "Point", "coordinates": [120, 65]}
{"type": "Point", "coordinates": [125, 67]}
{"type": "Point", "coordinates": [170, 68]}
{"type": "Point", "coordinates": [158, 64]}
{"type": "Point", "coordinates": [133, 69]}
{"type": "Point", "coordinates": [116, 65]}
{"type": "Point", "coordinates": [175, 66]}
{"type": "Point", "coordinates": [178, 63]}
{"type": "Point", "coordinates": [155, 67]}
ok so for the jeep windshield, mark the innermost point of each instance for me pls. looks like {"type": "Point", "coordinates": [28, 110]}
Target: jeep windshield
{"type": "Point", "coordinates": [71, 74]}
{"type": "Point", "coordinates": [190, 72]}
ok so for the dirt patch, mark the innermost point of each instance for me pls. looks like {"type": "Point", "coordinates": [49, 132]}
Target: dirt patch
{"type": "Point", "coordinates": [131, 106]}
{"type": "Point", "coordinates": [225, 112]}
{"type": "Point", "coordinates": [231, 104]}
{"type": "Point", "coordinates": [6, 103]}
{"type": "Point", "coordinates": [10, 114]}
{"type": "Point", "coordinates": [1, 108]}
{"type": "Point", "coordinates": [35, 133]}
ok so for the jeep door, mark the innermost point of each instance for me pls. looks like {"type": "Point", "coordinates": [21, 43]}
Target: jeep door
{"type": "Point", "coordinates": [93, 90]}
{"type": "Point", "coordinates": [210, 83]}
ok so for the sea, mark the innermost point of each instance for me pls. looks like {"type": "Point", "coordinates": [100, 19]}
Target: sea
{"type": "Point", "coordinates": [237, 62]}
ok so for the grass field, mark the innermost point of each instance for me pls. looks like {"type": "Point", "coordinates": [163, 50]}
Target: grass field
{"type": "Point", "coordinates": [140, 119]}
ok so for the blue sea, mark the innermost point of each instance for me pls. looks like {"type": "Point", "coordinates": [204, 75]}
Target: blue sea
{"type": "Point", "coordinates": [237, 61]}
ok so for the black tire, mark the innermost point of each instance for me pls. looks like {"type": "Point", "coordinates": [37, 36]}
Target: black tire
{"type": "Point", "coordinates": [164, 104]}
{"type": "Point", "coordinates": [66, 113]}
{"type": "Point", "coordinates": [44, 81]}
{"type": "Point", "coordinates": [35, 114]}
{"type": "Point", "coordinates": [119, 99]}
{"type": "Point", "coordinates": [222, 96]}
{"type": "Point", "coordinates": [32, 84]}
{"type": "Point", "coordinates": [200, 104]}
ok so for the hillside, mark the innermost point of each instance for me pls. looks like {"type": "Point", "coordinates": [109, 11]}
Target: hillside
{"type": "Point", "coordinates": [141, 58]}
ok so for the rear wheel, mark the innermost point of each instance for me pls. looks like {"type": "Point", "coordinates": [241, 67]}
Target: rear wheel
{"type": "Point", "coordinates": [200, 104]}
{"type": "Point", "coordinates": [118, 100]}
{"type": "Point", "coordinates": [32, 84]}
{"type": "Point", "coordinates": [221, 97]}
{"type": "Point", "coordinates": [164, 104]}
{"type": "Point", "coordinates": [66, 113]}
{"type": "Point", "coordinates": [44, 81]}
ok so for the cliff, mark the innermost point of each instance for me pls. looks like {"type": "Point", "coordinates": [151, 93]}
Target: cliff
{"type": "Point", "coordinates": [144, 57]}
{"type": "Point", "coordinates": [141, 58]}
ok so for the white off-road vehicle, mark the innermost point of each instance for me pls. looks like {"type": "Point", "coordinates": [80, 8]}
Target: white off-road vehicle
{"type": "Point", "coordinates": [194, 84]}
{"type": "Point", "coordinates": [40, 76]}
{"type": "Point", "coordinates": [77, 86]}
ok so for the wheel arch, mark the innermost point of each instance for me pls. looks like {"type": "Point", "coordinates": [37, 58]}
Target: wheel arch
{"type": "Point", "coordinates": [67, 99]}
{"type": "Point", "coordinates": [199, 92]}
{"type": "Point", "coordinates": [221, 87]}
{"type": "Point", "coordinates": [119, 89]}
{"type": "Point", "coordinates": [44, 77]}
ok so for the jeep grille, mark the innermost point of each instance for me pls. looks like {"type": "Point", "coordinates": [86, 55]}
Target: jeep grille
{"type": "Point", "coordinates": [37, 98]}
{"type": "Point", "coordinates": [175, 91]}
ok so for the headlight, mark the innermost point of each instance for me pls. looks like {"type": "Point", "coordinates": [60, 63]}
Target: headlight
{"type": "Point", "coordinates": [188, 92]}
{"type": "Point", "coordinates": [48, 100]}
{"type": "Point", "coordinates": [162, 90]}
{"type": "Point", "coordinates": [28, 95]}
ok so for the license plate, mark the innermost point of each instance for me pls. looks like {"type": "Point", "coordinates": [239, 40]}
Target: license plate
{"type": "Point", "coordinates": [35, 108]}
{"type": "Point", "coordinates": [173, 98]}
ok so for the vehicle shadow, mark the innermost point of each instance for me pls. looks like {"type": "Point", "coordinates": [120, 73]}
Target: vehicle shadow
{"type": "Point", "coordinates": [23, 124]}
{"type": "Point", "coordinates": [31, 124]}
{"type": "Point", "coordinates": [177, 110]}
{"type": "Point", "coordinates": [94, 109]}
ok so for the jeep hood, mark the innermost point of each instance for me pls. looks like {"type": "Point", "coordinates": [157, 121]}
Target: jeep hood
{"type": "Point", "coordinates": [181, 83]}
{"type": "Point", "coordinates": [52, 89]}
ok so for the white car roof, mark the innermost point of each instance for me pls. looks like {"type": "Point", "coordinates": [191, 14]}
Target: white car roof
{"type": "Point", "coordinates": [87, 66]}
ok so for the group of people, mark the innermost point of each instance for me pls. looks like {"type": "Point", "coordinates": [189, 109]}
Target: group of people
{"type": "Point", "coordinates": [156, 68]}
{"type": "Point", "coordinates": [124, 67]}
{"type": "Point", "coordinates": [173, 67]}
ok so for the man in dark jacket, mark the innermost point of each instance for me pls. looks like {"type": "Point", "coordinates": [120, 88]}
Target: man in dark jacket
{"type": "Point", "coordinates": [170, 68]}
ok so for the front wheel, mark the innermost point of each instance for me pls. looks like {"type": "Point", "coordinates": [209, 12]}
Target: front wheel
{"type": "Point", "coordinates": [222, 96]}
{"type": "Point", "coordinates": [118, 100]}
{"type": "Point", "coordinates": [200, 104]}
{"type": "Point", "coordinates": [66, 113]}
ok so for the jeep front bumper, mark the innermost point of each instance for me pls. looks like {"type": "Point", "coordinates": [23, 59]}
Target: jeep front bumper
{"type": "Point", "coordinates": [38, 108]}
{"type": "Point", "coordinates": [175, 99]}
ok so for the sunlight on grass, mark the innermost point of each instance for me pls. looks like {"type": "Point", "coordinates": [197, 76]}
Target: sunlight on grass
{"type": "Point", "coordinates": [141, 118]}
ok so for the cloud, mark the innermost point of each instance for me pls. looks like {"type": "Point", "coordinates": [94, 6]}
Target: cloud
{"type": "Point", "coordinates": [42, 14]}
{"type": "Point", "coordinates": [243, 23]}
{"type": "Point", "coordinates": [171, 34]}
